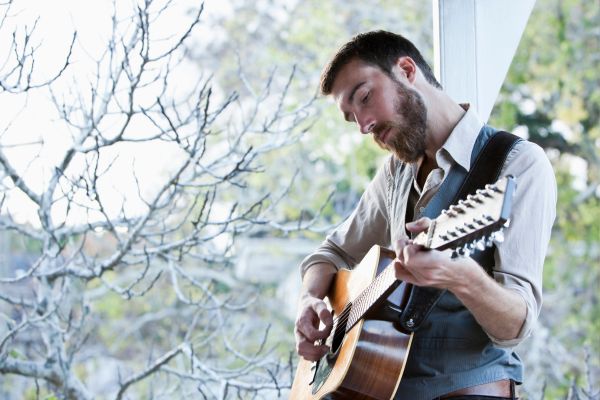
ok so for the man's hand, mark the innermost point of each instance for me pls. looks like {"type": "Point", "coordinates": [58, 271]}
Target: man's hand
{"type": "Point", "coordinates": [501, 312]}
{"type": "Point", "coordinates": [312, 311]}
{"type": "Point", "coordinates": [423, 267]}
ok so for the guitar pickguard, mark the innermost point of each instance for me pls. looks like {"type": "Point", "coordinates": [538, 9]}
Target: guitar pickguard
{"type": "Point", "coordinates": [323, 368]}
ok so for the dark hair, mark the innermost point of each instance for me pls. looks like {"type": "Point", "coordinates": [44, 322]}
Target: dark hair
{"type": "Point", "coordinates": [379, 48]}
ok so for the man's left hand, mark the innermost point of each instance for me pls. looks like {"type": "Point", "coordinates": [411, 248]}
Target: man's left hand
{"type": "Point", "coordinates": [424, 267]}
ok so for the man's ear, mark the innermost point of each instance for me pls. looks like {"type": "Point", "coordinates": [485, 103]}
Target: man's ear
{"type": "Point", "coordinates": [406, 68]}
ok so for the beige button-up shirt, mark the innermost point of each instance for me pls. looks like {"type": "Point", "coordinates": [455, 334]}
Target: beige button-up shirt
{"type": "Point", "coordinates": [379, 217]}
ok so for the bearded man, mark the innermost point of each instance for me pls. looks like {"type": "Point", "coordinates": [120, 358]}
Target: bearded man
{"type": "Point", "coordinates": [464, 349]}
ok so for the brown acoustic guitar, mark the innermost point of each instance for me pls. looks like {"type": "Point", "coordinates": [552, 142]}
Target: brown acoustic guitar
{"type": "Point", "coordinates": [368, 348]}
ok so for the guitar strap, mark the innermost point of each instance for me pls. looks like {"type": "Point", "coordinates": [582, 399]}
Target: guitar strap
{"type": "Point", "coordinates": [489, 153]}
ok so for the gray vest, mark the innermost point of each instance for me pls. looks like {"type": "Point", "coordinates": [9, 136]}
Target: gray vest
{"type": "Point", "coordinates": [450, 350]}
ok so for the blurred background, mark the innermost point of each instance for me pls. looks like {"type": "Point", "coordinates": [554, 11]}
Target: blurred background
{"type": "Point", "coordinates": [166, 165]}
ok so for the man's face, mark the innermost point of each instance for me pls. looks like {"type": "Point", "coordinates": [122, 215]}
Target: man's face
{"type": "Point", "coordinates": [384, 106]}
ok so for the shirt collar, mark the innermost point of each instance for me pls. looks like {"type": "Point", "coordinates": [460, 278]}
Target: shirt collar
{"type": "Point", "coordinates": [459, 144]}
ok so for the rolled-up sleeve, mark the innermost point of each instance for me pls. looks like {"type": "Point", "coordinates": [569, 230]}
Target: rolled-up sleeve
{"type": "Point", "coordinates": [519, 260]}
{"type": "Point", "coordinates": [366, 226]}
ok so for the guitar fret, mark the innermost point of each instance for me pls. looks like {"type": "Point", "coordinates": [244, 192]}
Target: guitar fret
{"type": "Point", "coordinates": [363, 302]}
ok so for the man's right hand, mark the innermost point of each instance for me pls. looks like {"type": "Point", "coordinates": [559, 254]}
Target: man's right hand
{"type": "Point", "coordinates": [312, 311]}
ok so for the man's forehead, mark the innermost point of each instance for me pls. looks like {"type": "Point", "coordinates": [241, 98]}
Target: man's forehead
{"type": "Point", "coordinates": [349, 72]}
{"type": "Point", "coordinates": [351, 75]}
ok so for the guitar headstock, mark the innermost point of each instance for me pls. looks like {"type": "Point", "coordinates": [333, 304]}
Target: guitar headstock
{"type": "Point", "coordinates": [475, 221]}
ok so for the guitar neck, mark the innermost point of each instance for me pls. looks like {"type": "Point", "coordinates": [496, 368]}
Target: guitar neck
{"type": "Point", "coordinates": [377, 291]}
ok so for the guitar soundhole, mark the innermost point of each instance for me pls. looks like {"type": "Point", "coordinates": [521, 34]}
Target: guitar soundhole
{"type": "Point", "coordinates": [338, 338]}
{"type": "Point", "coordinates": [339, 331]}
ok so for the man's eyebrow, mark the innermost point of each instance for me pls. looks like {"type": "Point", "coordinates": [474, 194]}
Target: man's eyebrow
{"type": "Point", "coordinates": [351, 98]}
{"type": "Point", "coordinates": [354, 89]}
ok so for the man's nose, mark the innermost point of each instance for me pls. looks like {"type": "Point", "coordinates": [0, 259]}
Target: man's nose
{"type": "Point", "coordinates": [366, 124]}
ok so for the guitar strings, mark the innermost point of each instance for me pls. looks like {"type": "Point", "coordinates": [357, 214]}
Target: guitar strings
{"type": "Point", "coordinates": [343, 317]}
{"type": "Point", "coordinates": [357, 306]}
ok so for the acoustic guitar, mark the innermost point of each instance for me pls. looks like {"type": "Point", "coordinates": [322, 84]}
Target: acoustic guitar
{"type": "Point", "coordinates": [368, 348]}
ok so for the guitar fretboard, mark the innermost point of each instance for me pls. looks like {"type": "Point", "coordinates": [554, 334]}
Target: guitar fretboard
{"type": "Point", "coordinates": [384, 282]}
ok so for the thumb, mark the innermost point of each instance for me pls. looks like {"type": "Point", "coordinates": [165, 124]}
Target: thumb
{"type": "Point", "coordinates": [420, 225]}
{"type": "Point", "coordinates": [400, 245]}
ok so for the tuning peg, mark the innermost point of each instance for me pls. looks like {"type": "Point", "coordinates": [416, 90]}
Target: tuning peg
{"type": "Point", "coordinates": [449, 212]}
{"type": "Point", "coordinates": [457, 209]}
{"type": "Point", "coordinates": [480, 244]}
{"type": "Point", "coordinates": [489, 241]}
{"type": "Point", "coordinates": [474, 198]}
{"type": "Point", "coordinates": [478, 221]}
{"type": "Point", "coordinates": [493, 188]}
{"type": "Point", "coordinates": [498, 236]}
{"type": "Point", "coordinates": [507, 223]}
{"type": "Point", "coordinates": [466, 251]}
{"type": "Point", "coordinates": [467, 203]}
{"type": "Point", "coordinates": [483, 193]}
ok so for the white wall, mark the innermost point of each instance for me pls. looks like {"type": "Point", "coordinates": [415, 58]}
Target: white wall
{"type": "Point", "coordinates": [474, 43]}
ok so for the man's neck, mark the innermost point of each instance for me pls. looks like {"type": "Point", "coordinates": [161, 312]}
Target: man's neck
{"type": "Point", "coordinates": [427, 165]}
{"type": "Point", "coordinates": [443, 115]}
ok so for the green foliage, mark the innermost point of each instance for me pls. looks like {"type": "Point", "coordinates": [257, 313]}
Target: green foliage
{"type": "Point", "coordinates": [554, 74]}
{"type": "Point", "coordinates": [32, 394]}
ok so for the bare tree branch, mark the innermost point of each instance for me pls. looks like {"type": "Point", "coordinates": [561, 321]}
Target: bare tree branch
{"type": "Point", "coordinates": [145, 272]}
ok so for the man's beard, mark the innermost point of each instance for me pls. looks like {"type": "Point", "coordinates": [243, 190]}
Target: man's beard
{"type": "Point", "coordinates": [407, 136]}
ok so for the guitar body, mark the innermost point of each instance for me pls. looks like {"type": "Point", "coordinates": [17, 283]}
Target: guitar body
{"type": "Point", "coordinates": [371, 358]}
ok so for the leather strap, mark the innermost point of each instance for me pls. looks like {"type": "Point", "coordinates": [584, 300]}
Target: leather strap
{"type": "Point", "coordinates": [489, 154]}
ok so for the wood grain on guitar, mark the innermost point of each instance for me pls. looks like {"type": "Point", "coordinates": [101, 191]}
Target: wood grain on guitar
{"type": "Point", "coordinates": [368, 348]}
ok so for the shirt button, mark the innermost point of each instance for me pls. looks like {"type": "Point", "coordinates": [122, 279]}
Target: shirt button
{"type": "Point", "coordinates": [421, 209]}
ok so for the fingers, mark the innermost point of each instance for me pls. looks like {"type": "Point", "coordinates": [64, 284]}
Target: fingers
{"type": "Point", "coordinates": [324, 315]}
{"type": "Point", "coordinates": [402, 269]}
{"type": "Point", "coordinates": [307, 332]}
{"type": "Point", "coordinates": [400, 245]}
{"type": "Point", "coordinates": [309, 351]}
{"type": "Point", "coordinates": [408, 252]}
{"type": "Point", "coordinates": [422, 267]}
{"type": "Point", "coordinates": [420, 225]}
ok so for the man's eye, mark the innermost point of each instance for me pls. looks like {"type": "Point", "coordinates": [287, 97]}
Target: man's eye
{"type": "Point", "coordinates": [366, 97]}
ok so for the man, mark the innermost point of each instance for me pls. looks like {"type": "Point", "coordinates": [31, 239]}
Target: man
{"type": "Point", "coordinates": [381, 82]}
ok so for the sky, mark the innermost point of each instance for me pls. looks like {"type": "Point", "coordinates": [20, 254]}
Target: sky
{"type": "Point", "coordinates": [32, 136]}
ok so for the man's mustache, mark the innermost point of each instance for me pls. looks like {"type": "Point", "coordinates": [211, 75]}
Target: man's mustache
{"type": "Point", "coordinates": [381, 127]}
